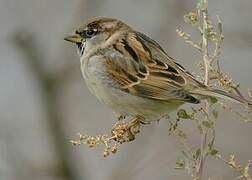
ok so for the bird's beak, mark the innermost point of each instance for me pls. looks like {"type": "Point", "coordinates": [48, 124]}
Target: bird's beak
{"type": "Point", "coordinates": [75, 38]}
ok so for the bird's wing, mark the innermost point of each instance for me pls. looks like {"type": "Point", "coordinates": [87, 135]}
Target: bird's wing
{"type": "Point", "coordinates": [142, 68]}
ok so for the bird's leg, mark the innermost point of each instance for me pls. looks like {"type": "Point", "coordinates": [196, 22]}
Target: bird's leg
{"type": "Point", "coordinates": [125, 132]}
{"type": "Point", "coordinates": [134, 127]}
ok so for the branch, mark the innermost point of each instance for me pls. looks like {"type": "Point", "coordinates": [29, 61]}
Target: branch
{"type": "Point", "coordinates": [204, 13]}
{"type": "Point", "coordinates": [48, 83]}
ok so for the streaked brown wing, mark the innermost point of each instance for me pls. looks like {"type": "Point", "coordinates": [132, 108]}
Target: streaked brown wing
{"type": "Point", "coordinates": [143, 69]}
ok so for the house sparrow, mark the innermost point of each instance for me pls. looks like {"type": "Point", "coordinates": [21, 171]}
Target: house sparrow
{"type": "Point", "coordinates": [132, 74]}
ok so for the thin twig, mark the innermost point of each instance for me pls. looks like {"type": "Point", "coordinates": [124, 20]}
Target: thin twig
{"type": "Point", "coordinates": [188, 39]}
{"type": "Point", "coordinates": [204, 11]}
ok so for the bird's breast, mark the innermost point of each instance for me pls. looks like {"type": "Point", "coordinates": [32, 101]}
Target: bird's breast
{"type": "Point", "coordinates": [96, 78]}
{"type": "Point", "coordinates": [107, 91]}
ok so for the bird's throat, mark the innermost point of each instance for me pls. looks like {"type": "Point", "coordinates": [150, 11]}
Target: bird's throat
{"type": "Point", "coordinates": [80, 48]}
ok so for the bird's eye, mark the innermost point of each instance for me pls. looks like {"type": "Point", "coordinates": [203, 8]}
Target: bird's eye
{"type": "Point", "coordinates": [89, 33]}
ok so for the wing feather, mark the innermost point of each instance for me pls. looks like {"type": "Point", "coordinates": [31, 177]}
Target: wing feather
{"type": "Point", "coordinates": [142, 68]}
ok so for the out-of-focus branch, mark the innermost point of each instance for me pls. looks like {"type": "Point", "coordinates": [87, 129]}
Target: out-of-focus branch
{"type": "Point", "coordinates": [34, 57]}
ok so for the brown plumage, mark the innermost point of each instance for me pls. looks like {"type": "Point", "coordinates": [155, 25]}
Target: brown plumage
{"type": "Point", "coordinates": [132, 74]}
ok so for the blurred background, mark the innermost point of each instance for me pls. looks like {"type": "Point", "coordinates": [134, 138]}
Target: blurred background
{"type": "Point", "coordinates": [44, 101]}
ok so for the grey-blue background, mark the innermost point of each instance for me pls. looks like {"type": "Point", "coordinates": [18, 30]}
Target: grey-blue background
{"type": "Point", "coordinates": [36, 125]}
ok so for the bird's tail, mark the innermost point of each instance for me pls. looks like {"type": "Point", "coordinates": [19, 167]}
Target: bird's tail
{"type": "Point", "coordinates": [219, 94]}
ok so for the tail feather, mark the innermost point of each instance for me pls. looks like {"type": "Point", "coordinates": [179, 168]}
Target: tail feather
{"type": "Point", "coordinates": [223, 95]}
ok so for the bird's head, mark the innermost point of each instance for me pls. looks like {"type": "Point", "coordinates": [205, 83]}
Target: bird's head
{"type": "Point", "coordinates": [95, 33]}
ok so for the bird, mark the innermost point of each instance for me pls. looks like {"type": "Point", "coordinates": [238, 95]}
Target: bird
{"type": "Point", "coordinates": [132, 74]}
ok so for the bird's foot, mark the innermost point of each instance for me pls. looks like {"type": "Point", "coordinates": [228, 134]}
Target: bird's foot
{"type": "Point", "coordinates": [126, 132]}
